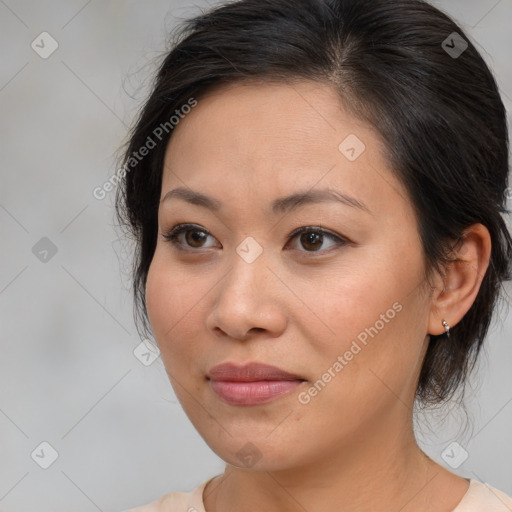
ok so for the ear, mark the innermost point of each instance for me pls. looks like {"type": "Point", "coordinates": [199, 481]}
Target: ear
{"type": "Point", "coordinates": [456, 290]}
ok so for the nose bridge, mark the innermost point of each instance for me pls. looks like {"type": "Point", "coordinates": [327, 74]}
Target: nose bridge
{"type": "Point", "coordinates": [248, 266]}
{"type": "Point", "coordinates": [245, 298]}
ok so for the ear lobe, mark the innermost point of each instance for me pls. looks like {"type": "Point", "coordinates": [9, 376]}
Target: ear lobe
{"type": "Point", "coordinates": [458, 288]}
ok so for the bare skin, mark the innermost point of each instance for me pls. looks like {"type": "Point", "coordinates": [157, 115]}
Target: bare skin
{"type": "Point", "coordinates": [302, 303]}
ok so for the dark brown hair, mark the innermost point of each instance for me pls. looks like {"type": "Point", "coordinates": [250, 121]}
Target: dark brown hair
{"type": "Point", "coordinates": [395, 65]}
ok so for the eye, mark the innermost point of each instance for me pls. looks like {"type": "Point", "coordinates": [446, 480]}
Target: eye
{"type": "Point", "coordinates": [312, 238]}
{"type": "Point", "coordinates": [194, 236]}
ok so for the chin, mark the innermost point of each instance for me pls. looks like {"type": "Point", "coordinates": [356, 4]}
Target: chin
{"type": "Point", "coordinates": [253, 452]}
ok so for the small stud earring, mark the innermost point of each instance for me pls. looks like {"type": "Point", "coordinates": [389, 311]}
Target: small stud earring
{"type": "Point", "coordinates": [446, 328]}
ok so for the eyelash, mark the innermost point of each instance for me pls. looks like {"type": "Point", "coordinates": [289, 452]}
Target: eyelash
{"type": "Point", "coordinates": [173, 234]}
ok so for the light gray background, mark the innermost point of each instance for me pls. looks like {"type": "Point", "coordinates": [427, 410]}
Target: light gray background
{"type": "Point", "coordinates": [68, 375]}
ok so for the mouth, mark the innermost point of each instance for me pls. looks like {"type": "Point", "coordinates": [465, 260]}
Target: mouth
{"type": "Point", "coordinates": [251, 384]}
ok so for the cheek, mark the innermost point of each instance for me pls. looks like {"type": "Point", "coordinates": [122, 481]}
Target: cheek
{"type": "Point", "coordinates": [156, 293]}
{"type": "Point", "coordinates": [375, 311]}
{"type": "Point", "coordinates": [173, 304]}
{"type": "Point", "coordinates": [363, 290]}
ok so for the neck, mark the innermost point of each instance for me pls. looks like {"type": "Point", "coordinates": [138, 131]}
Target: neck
{"type": "Point", "coordinates": [380, 468]}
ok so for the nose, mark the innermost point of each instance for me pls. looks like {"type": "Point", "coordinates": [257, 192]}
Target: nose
{"type": "Point", "coordinates": [248, 301]}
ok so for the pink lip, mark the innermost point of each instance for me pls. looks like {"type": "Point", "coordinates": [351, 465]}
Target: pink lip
{"type": "Point", "coordinates": [251, 384]}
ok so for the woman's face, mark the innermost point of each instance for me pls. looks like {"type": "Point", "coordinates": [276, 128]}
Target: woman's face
{"type": "Point", "coordinates": [343, 311]}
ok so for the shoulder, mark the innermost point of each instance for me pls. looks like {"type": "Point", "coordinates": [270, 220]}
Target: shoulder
{"type": "Point", "coordinates": [177, 501]}
{"type": "Point", "coordinates": [168, 503]}
{"type": "Point", "coordinates": [482, 497]}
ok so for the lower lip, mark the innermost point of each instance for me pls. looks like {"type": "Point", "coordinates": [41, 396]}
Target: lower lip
{"type": "Point", "coordinates": [253, 393]}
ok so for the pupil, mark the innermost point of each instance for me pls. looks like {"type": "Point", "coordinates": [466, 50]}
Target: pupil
{"type": "Point", "coordinates": [194, 238]}
{"type": "Point", "coordinates": [310, 239]}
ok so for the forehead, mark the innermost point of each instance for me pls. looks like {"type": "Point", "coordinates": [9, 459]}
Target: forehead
{"type": "Point", "coordinates": [274, 138]}
{"type": "Point", "coordinates": [282, 120]}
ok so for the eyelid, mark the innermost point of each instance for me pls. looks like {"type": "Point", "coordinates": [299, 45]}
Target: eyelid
{"type": "Point", "coordinates": [318, 229]}
{"type": "Point", "coordinates": [182, 228]}
{"type": "Point", "coordinates": [178, 229]}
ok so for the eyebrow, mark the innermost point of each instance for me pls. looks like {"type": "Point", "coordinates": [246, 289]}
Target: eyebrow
{"type": "Point", "coordinates": [278, 206]}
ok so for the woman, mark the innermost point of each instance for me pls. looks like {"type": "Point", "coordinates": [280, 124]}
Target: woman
{"type": "Point", "coordinates": [316, 189]}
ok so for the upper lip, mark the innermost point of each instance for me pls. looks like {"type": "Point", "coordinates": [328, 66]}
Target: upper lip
{"type": "Point", "coordinates": [250, 372]}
